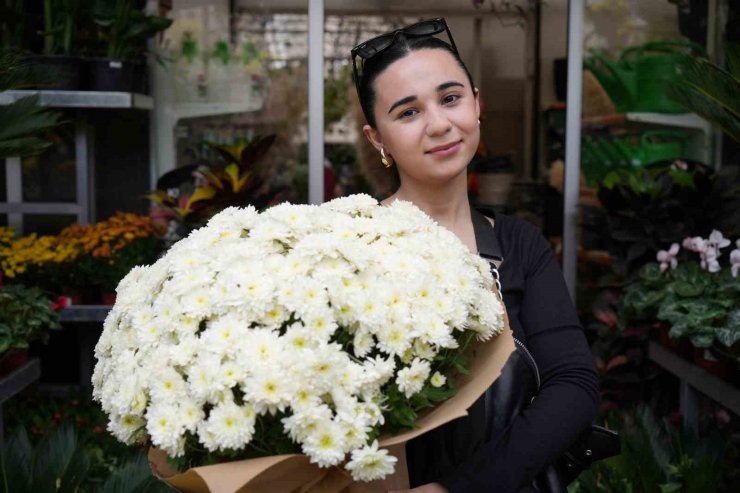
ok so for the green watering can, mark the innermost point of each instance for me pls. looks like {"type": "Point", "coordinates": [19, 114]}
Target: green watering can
{"type": "Point", "coordinates": [656, 65]}
{"type": "Point", "coordinates": [662, 145]}
{"type": "Point", "coordinates": [619, 80]}
{"type": "Point", "coordinates": [653, 146]}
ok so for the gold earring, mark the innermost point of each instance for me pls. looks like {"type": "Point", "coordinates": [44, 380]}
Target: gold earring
{"type": "Point", "coordinates": [387, 161]}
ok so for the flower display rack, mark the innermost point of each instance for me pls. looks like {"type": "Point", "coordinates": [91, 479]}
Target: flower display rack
{"type": "Point", "coordinates": [694, 380]}
{"type": "Point", "coordinates": [14, 382]}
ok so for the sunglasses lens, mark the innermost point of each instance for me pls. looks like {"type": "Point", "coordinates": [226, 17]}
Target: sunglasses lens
{"type": "Point", "coordinates": [425, 28]}
{"type": "Point", "coordinates": [375, 45]}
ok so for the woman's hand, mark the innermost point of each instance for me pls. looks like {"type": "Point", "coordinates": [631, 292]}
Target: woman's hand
{"type": "Point", "coordinates": [425, 488]}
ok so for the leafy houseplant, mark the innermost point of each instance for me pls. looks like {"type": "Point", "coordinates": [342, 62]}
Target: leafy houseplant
{"type": "Point", "coordinates": [62, 462]}
{"type": "Point", "coordinates": [711, 91]}
{"type": "Point", "coordinates": [124, 29]}
{"type": "Point", "coordinates": [242, 181]}
{"type": "Point", "coordinates": [63, 22]}
{"type": "Point", "coordinates": [699, 299]}
{"type": "Point", "coordinates": [25, 316]}
{"type": "Point", "coordinates": [644, 209]}
{"type": "Point", "coordinates": [656, 458]}
{"type": "Point", "coordinates": [23, 122]}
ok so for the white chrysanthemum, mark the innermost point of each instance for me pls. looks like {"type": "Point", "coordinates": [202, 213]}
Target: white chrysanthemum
{"type": "Point", "coordinates": [307, 310]}
{"type": "Point", "coordinates": [232, 426]}
{"type": "Point", "coordinates": [370, 463]}
{"type": "Point", "coordinates": [165, 426]}
{"type": "Point", "coordinates": [126, 427]}
{"type": "Point", "coordinates": [437, 379]}
{"type": "Point", "coordinates": [325, 445]}
{"type": "Point", "coordinates": [411, 379]}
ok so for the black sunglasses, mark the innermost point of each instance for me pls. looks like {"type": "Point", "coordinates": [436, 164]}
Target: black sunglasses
{"type": "Point", "coordinates": [372, 47]}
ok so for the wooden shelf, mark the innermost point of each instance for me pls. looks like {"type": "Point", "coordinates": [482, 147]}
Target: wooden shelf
{"type": "Point", "coordinates": [699, 379]}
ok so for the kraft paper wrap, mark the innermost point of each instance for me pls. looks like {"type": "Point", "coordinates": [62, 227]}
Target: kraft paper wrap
{"type": "Point", "coordinates": [295, 474]}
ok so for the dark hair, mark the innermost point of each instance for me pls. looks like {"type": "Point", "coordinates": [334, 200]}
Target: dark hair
{"type": "Point", "coordinates": [401, 47]}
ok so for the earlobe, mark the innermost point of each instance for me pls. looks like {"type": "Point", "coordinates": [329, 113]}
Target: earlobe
{"type": "Point", "coordinates": [476, 92]}
{"type": "Point", "coordinates": [373, 136]}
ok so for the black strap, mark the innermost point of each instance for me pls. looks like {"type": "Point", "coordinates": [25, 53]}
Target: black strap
{"type": "Point", "coordinates": [487, 244]}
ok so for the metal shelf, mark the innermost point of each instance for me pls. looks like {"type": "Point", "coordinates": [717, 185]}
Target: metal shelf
{"type": "Point", "coordinates": [695, 379]}
{"type": "Point", "coordinates": [19, 379]}
{"type": "Point", "coordinates": [682, 120]}
{"type": "Point", "coordinates": [84, 313]}
{"type": "Point", "coordinates": [83, 99]}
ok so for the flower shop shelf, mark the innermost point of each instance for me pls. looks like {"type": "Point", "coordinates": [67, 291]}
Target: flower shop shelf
{"type": "Point", "coordinates": [694, 379]}
{"type": "Point", "coordinates": [83, 99]}
{"type": "Point", "coordinates": [14, 382]}
{"type": "Point", "coordinates": [84, 313]}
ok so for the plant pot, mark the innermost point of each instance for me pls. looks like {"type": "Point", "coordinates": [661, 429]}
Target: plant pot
{"type": "Point", "coordinates": [65, 71]}
{"type": "Point", "coordinates": [703, 358]}
{"type": "Point", "coordinates": [111, 75]}
{"type": "Point", "coordinates": [12, 359]}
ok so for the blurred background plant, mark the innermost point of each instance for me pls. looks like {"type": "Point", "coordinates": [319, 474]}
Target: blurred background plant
{"type": "Point", "coordinates": [26, 316]}
{"type": "Point", "coordinates": [656, 457]}
{"type": "Point", "coordinates": [23, 122]}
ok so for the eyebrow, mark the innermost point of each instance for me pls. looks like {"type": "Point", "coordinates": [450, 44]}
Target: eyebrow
{"type": "Point", "coordinates": [409, 99]}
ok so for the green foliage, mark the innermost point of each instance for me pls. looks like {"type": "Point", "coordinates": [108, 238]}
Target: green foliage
{"type": "Point", "coordinates": [241, 182]}
{"type": "Point", "coordinates": [698, 304]}
{"type": "Point", "coordinates": [711, 91]}
{"type": "Point", "coordinates": [134, 476]}
{"type": "Point", "coordinates": [125, 29]}
{"type": "Point", "coordinates": [656, 458]}
{"type": "Point", "coordinates": [57, 464]}
{"type": "Point", "coordinates": [61, 18]}
{"type": "Point", "coordinates": [645, 209]}
{"type": "Point", "coordinates": [25, 316]}
{"type": "Point", "coordinates": [22, 122]}
{"type": "Point", "coordinates": [337, 92]}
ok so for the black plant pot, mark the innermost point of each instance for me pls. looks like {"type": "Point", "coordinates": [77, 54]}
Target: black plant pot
{"type": "Point", "coordinates": [111, 75]}
{"type": "Point", "coordinates": [64, 71]}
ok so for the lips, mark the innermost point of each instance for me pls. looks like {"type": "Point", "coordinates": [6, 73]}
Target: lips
{"type": "Point", "coordinates": [445, 148]}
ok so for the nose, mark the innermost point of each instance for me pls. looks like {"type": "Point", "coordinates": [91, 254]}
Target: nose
{"type": "Point", "coordinates": [437, 122]}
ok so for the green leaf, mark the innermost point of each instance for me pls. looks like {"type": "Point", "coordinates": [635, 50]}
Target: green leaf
{"type": "Point", "coordinates": [132, 477]}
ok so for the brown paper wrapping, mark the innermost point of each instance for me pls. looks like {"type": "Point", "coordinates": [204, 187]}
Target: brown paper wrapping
{"type": "Point", "coordinates": [295, 474]}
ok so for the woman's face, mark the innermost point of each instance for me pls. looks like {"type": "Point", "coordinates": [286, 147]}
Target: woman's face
{"type": "Point", "coordinates": [426, 116]}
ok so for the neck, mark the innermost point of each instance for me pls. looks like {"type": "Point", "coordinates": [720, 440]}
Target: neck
{"type": "Point", "coordinates": [446, 203]}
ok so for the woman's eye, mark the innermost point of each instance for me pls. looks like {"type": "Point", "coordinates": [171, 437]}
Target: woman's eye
{"type": "Point", "coordinates": [450, 98]}
{"type": "Point", "coordinates": [407, 113]}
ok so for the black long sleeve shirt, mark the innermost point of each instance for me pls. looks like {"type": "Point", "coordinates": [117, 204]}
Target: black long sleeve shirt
{"type": "Point", "coordinates": [542, 315]}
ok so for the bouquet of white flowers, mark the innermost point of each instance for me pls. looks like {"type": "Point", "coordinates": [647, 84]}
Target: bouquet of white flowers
{"type": "Point", "coordinates": [302, 329]}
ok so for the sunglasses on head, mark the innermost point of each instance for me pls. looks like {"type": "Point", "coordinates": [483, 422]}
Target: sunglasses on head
{"type": "Point", "coordinates": [372, 47]}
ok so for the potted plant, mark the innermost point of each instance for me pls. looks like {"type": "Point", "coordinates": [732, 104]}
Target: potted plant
{"type": "Point", "coordinates": [124, 30]}
{"type": "Point", "coordinates": [26, 315]}
{"type": "Point", "coordinates": [698, 298]}
{"type": "Point", "coordinates": [242, 181]}
{"type": "Point", "coordinates": [109, 249]}
{"type": "Point", "coordinates": [61, 24]}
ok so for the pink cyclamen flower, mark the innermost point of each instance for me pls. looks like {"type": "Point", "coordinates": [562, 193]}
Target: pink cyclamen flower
{"type": "Point", "coordinates": [668, 258]}
{"type": "Point", "coordinates": [695, 244]}
{"type": "Point", "coordinates": [718, 241]}
{"type": "Point", "coordinates": [735, 259]}
{"type": "Point", "coordinates": [709, 259]}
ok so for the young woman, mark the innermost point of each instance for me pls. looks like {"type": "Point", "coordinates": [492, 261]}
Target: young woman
{"type": "Point", "coordinates": [422, 112]}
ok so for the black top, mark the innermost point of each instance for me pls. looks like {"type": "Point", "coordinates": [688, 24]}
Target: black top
{"type": "Point", "coordinates": [542, 315]}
